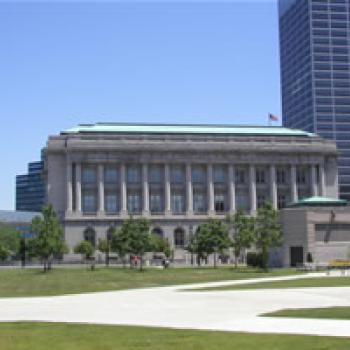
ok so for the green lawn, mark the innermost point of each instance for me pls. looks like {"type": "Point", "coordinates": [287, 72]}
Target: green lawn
{"type": "Point", "coordinates": [34, 282]}
{"type": "Point", "coordinates": [59, 336]}
{"type": "Point", "coordinates": [336, 313]}
{"type": "Point", "coordinates": [299, 283]}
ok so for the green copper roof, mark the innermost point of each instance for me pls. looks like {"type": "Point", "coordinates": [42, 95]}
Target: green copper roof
{"type": "Point", "coordinates": [186, 129]}
{"type": "Point", "coordinates": [319, 201]}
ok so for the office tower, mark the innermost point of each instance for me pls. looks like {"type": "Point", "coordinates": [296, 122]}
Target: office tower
{"type": "Point", "coordinates": [30, 189]}
{"type": "Point", "coordinates": [315, 73]}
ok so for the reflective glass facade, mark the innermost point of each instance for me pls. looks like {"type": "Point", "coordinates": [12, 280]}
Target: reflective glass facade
{"type": "Point", "coordinates": [315, 73]}
{"type": "Point", "coordinates": [30, 189]}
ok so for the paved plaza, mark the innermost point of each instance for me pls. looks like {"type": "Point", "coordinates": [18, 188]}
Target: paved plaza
{"type": "Point", "coordinates": [177, 307]}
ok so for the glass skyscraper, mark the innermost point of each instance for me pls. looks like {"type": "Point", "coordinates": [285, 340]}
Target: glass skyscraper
{"type": "Point", "coordinates": [30, 188]}
{"type": "Point", "coordinates": [315, 73]}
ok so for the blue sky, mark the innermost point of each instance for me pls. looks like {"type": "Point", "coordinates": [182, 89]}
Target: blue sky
{"type": "Point", "coordinates": [67, 63]}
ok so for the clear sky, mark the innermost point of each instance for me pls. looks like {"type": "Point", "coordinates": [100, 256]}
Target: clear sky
{"type": "Point", "coordinates": [67, 63]}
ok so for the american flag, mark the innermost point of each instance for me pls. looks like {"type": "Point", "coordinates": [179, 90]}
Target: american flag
{"type": "Point", "coordinates": [273, 117]}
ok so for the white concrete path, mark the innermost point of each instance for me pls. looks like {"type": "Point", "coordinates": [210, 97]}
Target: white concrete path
{"type": "Point", "coordinates": [174, 307]}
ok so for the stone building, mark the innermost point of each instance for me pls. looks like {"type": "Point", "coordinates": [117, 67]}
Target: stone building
{"type": "Point", "coordinates": [179, 175]}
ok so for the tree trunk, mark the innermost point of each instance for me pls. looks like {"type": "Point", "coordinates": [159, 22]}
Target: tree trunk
{"type": "Point", "coordinates": [236, 261]}
{"type": "Point", "coordinates": [198, 260]}
{"type": "Point", "coordinates": [214, 260]}
{"type": "Point", "coordinates": [141, 260]}
{"type": "Point", "coordinates": [264, 257]}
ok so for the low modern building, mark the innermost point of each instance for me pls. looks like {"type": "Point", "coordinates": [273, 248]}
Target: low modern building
{"type": "Point", "coordinates": [316, 229]}
{"type": "Point", "coordinates": [179, 175]}
{"type": "Point", "coordinates": [30, 188]}
{"type": "Point", "coordinates": [19, 220]}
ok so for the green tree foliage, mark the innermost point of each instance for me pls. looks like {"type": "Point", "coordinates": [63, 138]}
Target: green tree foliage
{"type": "Point", "coordinates": [243, 237]}
{"type": "Point", "coordinates": [48, 241]}
{"type": "Point", "coordinates": [268, 231]}
{"type": "Point", "coordinates": [87, 250]}
{"type": "Point", "coordinates": [84, 248]}
{"type": "Point", "coordinates": [210, 238]}
{"type": "Point", "coordinates": [139, 237]}
{"type": "Point", "coordinates": [159, 244]}
{"type": "Point", "coordinates": [132, 238]}
{"type": "Point", "coordinates": [119, 243]}
{"type": "Point", "coordinates": [9, 241]}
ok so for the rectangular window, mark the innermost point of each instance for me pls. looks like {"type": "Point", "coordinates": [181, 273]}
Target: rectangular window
{"type": "Point", "coordinates": [199, 203]}
{"type": "Point", "coordinates": [301, 176]}
{"type": "Point", "coordinates": [177, 174]}
{"type": "Point", "coordinates": [219, 174]}
{"type": "Point", "coordinates": [155, 174]}
{"type": "Point", "coordinates": [281, 176]}
{"type": "Point", "coordinates": [242, 201]}
{"type": "Point", "coordinates": [240, 176]}
{"type": "Point", "coordinates": [111, 203]}
{"type": "Point", "coordinates": [260, 176]}
{"type": "Point", "coordinates": [156, 203]}
{"type": "Point", "coordinates": [219, 200]}
{"type": "Point", "coordinates": [198, 174]}
{"type": "Point", "coordinates": [177, 203]}
{"type": "Point", "coordinates": [88, 175]}
{"type": "Point", "coordinates": [133, 174]}
{"type": "Point", "coordinates": [89, 202]}
{"type": "Point", "coordinates": [134, 203]}
{"type": "Point", "coordinates": [111, 175]}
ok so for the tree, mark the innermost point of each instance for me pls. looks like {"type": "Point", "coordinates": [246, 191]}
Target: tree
{"type": "Point", "coordinates": [104, 247]}
{"type": "Point", "coordinates": [159, 244]}
{"type": "Point", "coordinates": [243, 237]}
{"type": "Point", "coordinates": [48, 240]}
{"type": "Point", "coordinates": [210, 238]}
{"type": "Point", "coordinates": [119, 242]}
{"type": "Point", "coordinates": [268, 232]}
{"type": "Point", "coordinates": [9, 241]}
{"type": "Point", "coordinates": [87, 250]}
{"type": "Point", "coordinates": [139, 237]}
{"type": "Point", "coordinates": [134, 237]}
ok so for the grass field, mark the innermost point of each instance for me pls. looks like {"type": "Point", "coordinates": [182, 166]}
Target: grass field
{"type": "Point", "coordinates": [58, 336]}
{"type": "Point", "coordinates": [336, 313]}
{"type": "Point", "coordinates": [34, 282]}
{"type": "Point", "coordinates": [299, 283]}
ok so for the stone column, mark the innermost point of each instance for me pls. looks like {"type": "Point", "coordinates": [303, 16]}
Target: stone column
{"type": "Point", "coordinates": [167, 190]}
{"type": "Point", "coordinates": [145, 190]}
{"type": "Point", "coordinates": [123, 193]}
{"type": "Point", "coordinates": [78, 188]}
{"type": "Point", "coordinates": [322, 180]}
{"type": "Point", "coordinates": [273, 186]}
{"type": "Point", "coordinates": [293, 183]}
{"type": "Point", "coordinates": [69, 196]}
{"type": "Point", "coordinates": [189, 191]}
{"type": "Point", "coordinates": [210, 190]}
{"type": "Point", "coordinates": [252, 189]}
{"type": "Point", "coordinates": [313, 181]}
{"type": "Point", "coordinates": [232, 188]}
{"type": "Point", "coordinates": [101, 190]}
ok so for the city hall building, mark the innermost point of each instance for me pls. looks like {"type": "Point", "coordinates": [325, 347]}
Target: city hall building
{"type": "Point", "coordinates": [178, 176]}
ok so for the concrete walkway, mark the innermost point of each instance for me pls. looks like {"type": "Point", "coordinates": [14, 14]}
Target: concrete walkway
{"type": "Point", "coordinates": [177, 308]}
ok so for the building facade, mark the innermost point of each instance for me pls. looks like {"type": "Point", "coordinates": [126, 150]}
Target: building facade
{"type": "Point", "coordinates": [316, 229]}
{"type": "Point", "coordinates": [179, 175]}
{"type": "Point", "coordinates": [30, 188]}
{"type": "Point", "coordinates": [315, 73]}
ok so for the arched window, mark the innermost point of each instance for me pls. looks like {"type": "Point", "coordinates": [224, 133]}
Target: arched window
{"type": "Point", "coordinates": [179, 237]}
{"type": "Point", "coordinates": [158, 232]}
{"type": "Point", "coordinates": [90, 236]}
